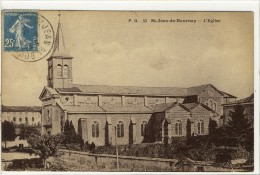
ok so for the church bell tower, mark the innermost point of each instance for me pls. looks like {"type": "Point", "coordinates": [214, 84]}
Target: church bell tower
{"type": "Point", "coordinates": [60, 63]}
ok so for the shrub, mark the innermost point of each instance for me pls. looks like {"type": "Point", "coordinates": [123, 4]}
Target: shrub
{"type": "Point", "coordinates": [240, 153]}
{"type": "Point", "coordinates": [92, 146]}
{"type": "Point", "coordinates": [73, 146]}
{"type": "Point", "coordinates": [223, 156]}
{"type": "Point", "coordinates": [22, 164]}
{"type": "Point", "coordinates": [179, 141]}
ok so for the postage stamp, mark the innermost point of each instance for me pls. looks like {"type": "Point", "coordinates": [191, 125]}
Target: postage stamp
{"type": "Point", "coordinates": [27, 35]}
{"type": "Point", "coordinates": [20, 31]}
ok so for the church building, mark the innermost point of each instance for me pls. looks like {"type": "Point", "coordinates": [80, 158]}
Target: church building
{"type": "Point", "coordinates": [129, 114]}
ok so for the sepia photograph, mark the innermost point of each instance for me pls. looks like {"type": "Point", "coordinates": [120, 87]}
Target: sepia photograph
{"type": "Point", "coordinates": [127, 91]}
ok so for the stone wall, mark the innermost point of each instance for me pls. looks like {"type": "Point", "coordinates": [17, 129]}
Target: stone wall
{"type": "Point", "coordinates": [126, 163]}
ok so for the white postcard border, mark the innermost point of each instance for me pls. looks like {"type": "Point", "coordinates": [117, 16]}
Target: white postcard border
{"type": "Point", "coordinates": [231, 5]}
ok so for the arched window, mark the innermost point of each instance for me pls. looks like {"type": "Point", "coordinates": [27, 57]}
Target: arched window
{"type": "Point", "coordinates": [215, 106]}
{"type": "Point", "coordinates": [178, 128]}
{"type": "Point", "coordinates": [120, 129]}
{"type": "Point", "coordinates": [48, 115]}
{"type": "Point", "coordinates": [211, 104]}
{"type": "Point", "coordinates": [95, 129]}
{"type": "Point", "coordinates": [59, 70]}
{"type": "Point", "coordinates": [65, 71]}
{"type": "Point", "coordinates": [201, 127]}
{"type": "Point", "coordinates": [143, 128]}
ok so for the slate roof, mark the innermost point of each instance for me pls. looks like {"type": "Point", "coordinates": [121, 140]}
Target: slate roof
{"type": "Point", "coordinates": [196, 89]}
{"type": "Point", "coordinates": [52, 91]}
{"type": "Point", "coordinates": [131, 109]}
{"type": "Point", "coordinates": [190, 106]}
{"type": "Point", "coordinates": [247, 99]}
{"type": "Point", "coordinates": [21, 108]}
{"type": "Point", "coordinates": [132, 90]}
{"type": "Point", "coordinates": [162, 107]}
{"type": "Point", "coordinates": [227, 95]}
{"type": "Point", "coordinates": [64, 90]}
{"type": "Point", "coordinates": [136, 90]}
{"type": "Point", "coordinates": [107, 109]}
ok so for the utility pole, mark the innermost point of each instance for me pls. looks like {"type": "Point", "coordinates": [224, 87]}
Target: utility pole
{"type": "Point", "coordinates": [117, 161]}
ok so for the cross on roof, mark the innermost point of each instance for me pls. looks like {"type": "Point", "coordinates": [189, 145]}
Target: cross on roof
{"type": "Point", "coordinates": [59, 16]}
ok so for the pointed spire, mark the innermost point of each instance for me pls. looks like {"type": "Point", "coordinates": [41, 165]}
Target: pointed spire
{"type": "Point", "coordinates": [59, 49]}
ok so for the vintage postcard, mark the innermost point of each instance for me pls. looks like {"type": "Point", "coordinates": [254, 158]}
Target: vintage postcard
{"type": "Point", "coordinates": [128, 91]}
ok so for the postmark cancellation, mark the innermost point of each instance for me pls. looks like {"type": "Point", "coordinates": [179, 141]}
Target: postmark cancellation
{"type": "Point", "coordinates": [27, 35]}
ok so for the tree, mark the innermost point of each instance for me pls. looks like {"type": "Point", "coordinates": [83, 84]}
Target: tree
{"type": "Point", "coordinates": [212, 130]}
{"type": "Point", "coordinates": [70, 134]}
{"type": "Point", "coordinates": [212, 127]}
{"type": "Point", "coordinates": [27, 130]}
{"type": "Point", "coordinates": [238, 129]}
{"type": "Point", "coordinates": [71, 127]}
{"type": "Point", "coordinates": [45, 145]}
{"type": "Point", "coordinates": [66, 126]}
{"type": "Point", "coordinates": [8, 132]}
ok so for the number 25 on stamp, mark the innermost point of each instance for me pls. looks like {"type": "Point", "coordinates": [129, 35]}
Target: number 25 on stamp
{"type": "Point", "coordinates": [20, 31]}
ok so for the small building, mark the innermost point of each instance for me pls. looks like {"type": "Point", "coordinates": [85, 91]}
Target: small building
{"type": "Point", "coordinates": [179, 120]}
{"type": "Point", "coordinates": [22, 114]}
{"type": "Point", "coordinates": [248, 105]}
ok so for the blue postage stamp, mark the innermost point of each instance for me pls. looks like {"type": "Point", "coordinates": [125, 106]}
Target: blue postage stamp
{"type": "Point", "coordinates": [20, 31]}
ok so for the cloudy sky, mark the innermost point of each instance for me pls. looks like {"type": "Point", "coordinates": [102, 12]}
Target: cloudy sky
{"type": "Point", "coordinates": [110, 50]}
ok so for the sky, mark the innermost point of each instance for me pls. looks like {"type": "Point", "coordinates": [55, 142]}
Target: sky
{"type": "Point", "coordinates": [110, 50]}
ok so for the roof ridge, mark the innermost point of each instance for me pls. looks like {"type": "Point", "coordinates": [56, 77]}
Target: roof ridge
{"type": "Point", "coordinates": [19, 106]}
{"type": "Point", "coordinates": [200, 85]}
{"type": "Point", "coordinates": [197, 103]}
{"type": "Point", "coordinates": [131, 86]}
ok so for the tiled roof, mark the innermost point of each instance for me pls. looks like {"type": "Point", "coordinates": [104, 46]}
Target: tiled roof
{"type": "Point", "coordinates": [132, 109]}
{"type": "Point", "coordinates": [21, 108]}
{"type": "Point", "coordinates": [162, 107]}
{"type": "Point", "coordinates": [108, 108]}
{"type": "Point", "coordinates": [137, 90]}
{"type": "Point", "coordinates": [196, 89]}
{"type": "Point", "coordinates": [190, 106]}
{"type": "Point", "coordinates": [227, 95]}
{"type": "Point", "coordinates": [132, 90]}
{"type": "Point", "coordinates": [73, 89]}
{"type": "Point", "coordinates": [247, 99]}
{"type": "Point", "coordinates": [52, 91]}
